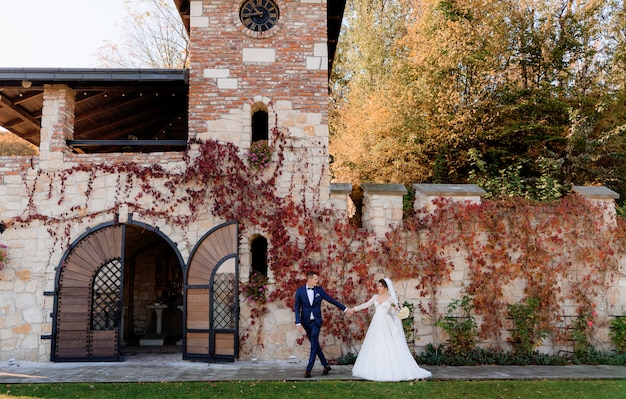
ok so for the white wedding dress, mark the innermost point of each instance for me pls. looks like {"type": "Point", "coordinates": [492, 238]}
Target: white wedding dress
{"type": "Point", "coordinates": [385, 355]}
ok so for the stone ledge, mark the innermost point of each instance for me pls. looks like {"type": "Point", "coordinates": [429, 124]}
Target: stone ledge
{"type": "Point", "coordinates": [450, 190]}
{"type": "Point", "coordinates": [384, 189]}
{"type": "Point", "coordinates": [340, 188]}
{"type": "Point", "coordinates": [593, 192]}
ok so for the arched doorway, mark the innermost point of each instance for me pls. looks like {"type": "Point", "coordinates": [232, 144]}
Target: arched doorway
{"type": "Point", "coordinates": [115, 285]}
{"type": "Point", "coordinates": [153, 293]}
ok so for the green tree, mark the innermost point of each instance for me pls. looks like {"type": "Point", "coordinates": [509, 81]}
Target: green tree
{"type": "Point", "coordinates": [515, 81]}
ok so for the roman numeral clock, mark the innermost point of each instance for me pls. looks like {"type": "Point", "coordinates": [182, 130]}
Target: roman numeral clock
{"type": "Point", "coordinates": [259, 15]}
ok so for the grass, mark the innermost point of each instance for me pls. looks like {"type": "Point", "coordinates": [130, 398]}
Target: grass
{"type": "Point", "coordinates": [604, 389]}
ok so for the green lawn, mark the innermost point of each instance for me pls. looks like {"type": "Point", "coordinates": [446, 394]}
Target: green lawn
{"type": "Point", "coordinates": [601, 389]}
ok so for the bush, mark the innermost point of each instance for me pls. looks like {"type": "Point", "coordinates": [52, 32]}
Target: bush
{"type": "Point", "coordinates": [529, 330]}
{"type": "Point", "coordinates": [444, 356]}
{"type": "Point", "coordinates": [255, 290]}
{"type": "Point", "coordinates": [581, 330]}
{"type": "Point", "coordinates": [617, 333]}
{"type": "Point", "coordinates": [260, 155]}
{"type": "Point", "coordinates": [348, 358]}
{"type": "Point", "coordinates": [460, 325]}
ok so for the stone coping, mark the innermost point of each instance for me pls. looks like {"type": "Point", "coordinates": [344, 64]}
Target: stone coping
{"type": "Point", "coordinates": [340, 188]}
{"type": "Point", "coordinates": [450, 190]}
{"type": "Point", "coordinates": [390, 189]}
{"type": "Point", "coordinates": [593, 192]}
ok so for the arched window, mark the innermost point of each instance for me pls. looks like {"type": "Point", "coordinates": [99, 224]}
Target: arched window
{"type": "Point", "coordinates": [258, 250]}
{"type": "Point", "coordinates": [105, 295]}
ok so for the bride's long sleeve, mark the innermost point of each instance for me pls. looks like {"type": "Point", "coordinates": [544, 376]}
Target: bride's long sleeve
{"type": "Point", "coordinates": [393, 310]}
{"type": "Point", "coordinates": [366, 304]}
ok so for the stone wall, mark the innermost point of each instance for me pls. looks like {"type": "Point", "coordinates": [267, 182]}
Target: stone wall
{"type": "Point", "coordinates": [34, 254]}
{"type": "Point", "coordinates": [383, 207]}
{"type": "Point", "coordinates": [231, 77]}
{"type": "Point", "coordinates": [25, 308]}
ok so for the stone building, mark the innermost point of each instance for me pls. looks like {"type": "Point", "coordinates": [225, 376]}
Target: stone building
{"type": "Point", "coordinates": [83, 289]}
{"type": "Point", "coordinates": [102, 261]}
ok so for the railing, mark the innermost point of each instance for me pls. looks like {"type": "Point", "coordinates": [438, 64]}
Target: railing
{"type": "Point", "coordinates": [127, 143]}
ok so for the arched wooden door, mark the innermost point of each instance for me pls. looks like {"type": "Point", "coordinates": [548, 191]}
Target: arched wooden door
{"type": "Point", "coordinates": [211, 311]}
{"type": "Point", "coordinates": [88, 299]}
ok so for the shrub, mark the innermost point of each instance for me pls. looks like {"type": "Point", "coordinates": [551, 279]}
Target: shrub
{"type": "Point", "coordinates": [581, 330]}
{"type": "Point", "coordinates": [460, 325]}
{"type": "Point", "coordinates": [617, 333]}
{"type": "Point", "coordinates": [529, 330]}
{"type": "Point", "coordinates": [348, 358]}
{"type": "Point", "coordinates": [443, 356]}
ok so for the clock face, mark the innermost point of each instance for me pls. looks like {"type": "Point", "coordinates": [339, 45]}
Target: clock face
{"type": "Point", "coordinates": [259, 15]}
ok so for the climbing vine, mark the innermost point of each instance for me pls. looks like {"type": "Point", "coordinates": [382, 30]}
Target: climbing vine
{"type": "Point", "coordinates": [560, 252]}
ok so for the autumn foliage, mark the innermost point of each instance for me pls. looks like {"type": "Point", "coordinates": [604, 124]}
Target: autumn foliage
{"type": "Point", "coordinates": [561, 252]}
{"type": "Point", "coordinates": [11, 144]}
{"type": "Point", "coordinates": [418, 85]}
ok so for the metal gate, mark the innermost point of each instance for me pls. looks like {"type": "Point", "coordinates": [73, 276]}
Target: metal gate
{"type": "Point", "coordinates": [87, 319]}
{"type": "Point", "coordinates": [211, 311]}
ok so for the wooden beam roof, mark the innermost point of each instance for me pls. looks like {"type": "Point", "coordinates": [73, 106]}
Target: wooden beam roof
{"type": "Point", "coordinates": [111, 104]}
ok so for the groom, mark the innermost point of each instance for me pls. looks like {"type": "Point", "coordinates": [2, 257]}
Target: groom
{"type": "Point", "coordinates": [309, 317]}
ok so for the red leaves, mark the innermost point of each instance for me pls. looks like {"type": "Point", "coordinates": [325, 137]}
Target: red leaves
{"type": "Point", "coordinates": [500, 242]}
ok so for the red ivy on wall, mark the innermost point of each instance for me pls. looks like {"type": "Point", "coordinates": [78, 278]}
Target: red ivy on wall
{"type": "Point", "coordinates": [562, 252]}
{"type": "Point", "coordinates": [538, 245]}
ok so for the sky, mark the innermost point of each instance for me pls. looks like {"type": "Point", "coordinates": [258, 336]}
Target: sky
{"type": "Point", "coordinates": [57, 33]}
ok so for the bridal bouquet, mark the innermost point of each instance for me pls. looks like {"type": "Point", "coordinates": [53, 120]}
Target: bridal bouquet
{"type": "Point", "coordinates": [403, 313]}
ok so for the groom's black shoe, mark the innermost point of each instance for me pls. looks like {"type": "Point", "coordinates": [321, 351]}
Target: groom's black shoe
{"type": "Point", "coordinates": [326, 370]}
{"type": "Point", "coordinates": [307, 374]}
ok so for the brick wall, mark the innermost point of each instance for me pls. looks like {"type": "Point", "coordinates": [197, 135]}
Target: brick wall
{"type": "Point", "coordinates": [284, 69]}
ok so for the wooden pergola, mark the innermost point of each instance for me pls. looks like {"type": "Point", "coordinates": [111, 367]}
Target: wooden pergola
{"type": "Point", "coordinates": [117, 109]}
{"type": "Point", "coordinates": [144, 109]}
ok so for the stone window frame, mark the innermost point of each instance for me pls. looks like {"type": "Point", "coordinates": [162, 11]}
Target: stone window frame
{"type": "Point", "coordinates": [253, 105]}
{"type": "Point", "coordinates": [253, 240]}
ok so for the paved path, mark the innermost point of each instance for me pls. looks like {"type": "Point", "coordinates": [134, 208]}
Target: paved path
{"type": "Point", "coordinates": [171, 369]}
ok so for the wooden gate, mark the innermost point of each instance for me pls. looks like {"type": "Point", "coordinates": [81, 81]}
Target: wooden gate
{"type": "Point", "coordinates": [88, 301]}
{"type": "Point", "coordinates": [211, 331]}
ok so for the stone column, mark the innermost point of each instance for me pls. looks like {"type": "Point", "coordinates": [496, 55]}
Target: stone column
{"type": "Point", "coordinates": [57, 124]}
{"type": "Point", "coordinates": [426, 193]}
{"type": "Point", "coordinates": [382, 207]}
{"type": "Point", "coordinates": [602, 197]}
{"type": "Point", "coordinates": [340, 200]}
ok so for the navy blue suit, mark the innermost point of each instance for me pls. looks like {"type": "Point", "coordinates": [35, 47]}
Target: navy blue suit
{"type": "Point", "coordinates": [303, 309]}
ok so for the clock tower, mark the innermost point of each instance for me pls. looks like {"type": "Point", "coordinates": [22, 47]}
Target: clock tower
{"type": "Point", "coordinates": [260, 64]}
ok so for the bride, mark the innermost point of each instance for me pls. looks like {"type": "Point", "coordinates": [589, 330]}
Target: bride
{"type": "Point", "coordinates": [385, 355]}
